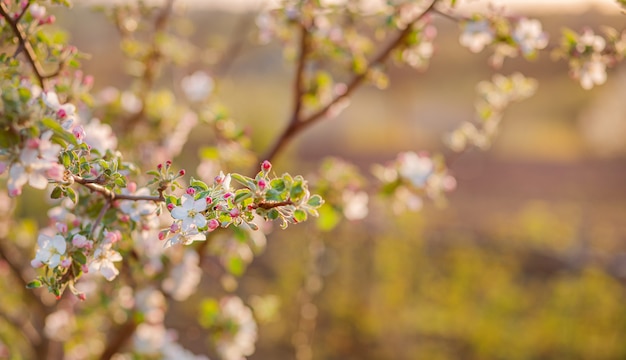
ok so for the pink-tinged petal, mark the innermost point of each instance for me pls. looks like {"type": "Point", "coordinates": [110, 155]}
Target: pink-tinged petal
{"type": "Point", "coordinates": [38, 181]}
{"type": "Point", "coordinates": [17, 176]}
{"type": "Point", "coordinates": [179, 213]}
{"type": "Point", "coordinates": [109, 272]}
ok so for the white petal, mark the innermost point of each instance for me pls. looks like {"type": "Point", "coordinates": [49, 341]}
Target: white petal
{"type": "Point", "coordinates": [179, 213]}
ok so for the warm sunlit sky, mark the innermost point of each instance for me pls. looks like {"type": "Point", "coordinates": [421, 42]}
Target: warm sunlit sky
{"type": "Point", "coordinates": [532, 6]}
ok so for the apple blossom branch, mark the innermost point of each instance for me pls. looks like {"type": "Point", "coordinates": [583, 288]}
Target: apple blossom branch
{"type": "Point", "coordinates": [94, 186]}
{"type": "Point", "coordinates": [23, 42]}
{"type": "Point", "coordinates": [297, 123]}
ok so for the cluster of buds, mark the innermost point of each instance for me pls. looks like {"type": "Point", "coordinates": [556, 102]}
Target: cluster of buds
{"type": "Point", "coordinates": [204, 208]}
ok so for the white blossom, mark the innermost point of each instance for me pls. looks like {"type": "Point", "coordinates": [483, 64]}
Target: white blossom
{"type": "Point", "coordinates": [50, 250]}
{"type": "Point", "coordinates": [185, 237]}
{"type": "Point", "coordinates": [190, 212]}
{"type": "Point", "coordinates": [99, 136]}
{"type": "Point", "coordinates": [476, 35]}
{"type": "Point", "coordinates": [415, 168]}
{"type": "Point", "coordinates": [103, 259]}
{"type": "Point", "coordinates": [592, 72]}
{"type": "Point", "coordinates": [529, 36]}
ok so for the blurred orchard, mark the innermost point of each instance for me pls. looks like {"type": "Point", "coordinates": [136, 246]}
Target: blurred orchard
{"type": "Point", "coordinates": [428, 179]}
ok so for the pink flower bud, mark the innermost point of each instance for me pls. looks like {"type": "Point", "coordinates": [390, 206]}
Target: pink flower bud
{"type": "Point", "coordinates": [159, 167]}
{"type": "Point", "coordinates": [112, 236]}
{"type": "Point", "coordinates": [190, 191]}
{"type": "Point", "coordinates": [174, 227]}
{"type": "Point", "coordinates": [15, 192]}
{"type": "Point", "coordinates": [162, 235]}
{"type": "Point", "coordinates": [79, 241]}
{"type": "Point", "coordinates": [32, 143]}
{"type": "Point", "coordinates": [82, 296]}
{"type": "Point", "coordinates": [132, 186]}
{"type": "Point", "coordinates": [170, 206]}
{"type": "Point", "coordinates": [213, 224]}
{"type": "Point", "coordinates": [66, 263]}
{"type": "Point", "coordinates": [235, 212]}
{"type": "Point", "coordinates": [227, 195]}
{"type": "Point", "coordinates": [209, 201]}
{"type": "Point", "coordinates": [181, 172]}
{"type": "Point", "coordinates": [124, 218]}
{"type": "Point", "coordinates": [168, 163]}
{"type": "Point", "coordinates": [266, 166]}
{"type": "Point", "coordinates": [262, 184]}
{"type": "Point", "coordinates": [61, 227]}
{"type": "Point", "coordinates": [61, 113]}
{"type": "Point", "coordinates": [84, 268]}
{"type": "Point", "coordinates": [79, 132]}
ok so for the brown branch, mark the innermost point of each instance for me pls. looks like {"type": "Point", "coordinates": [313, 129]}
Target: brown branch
{"type": "Point", "coordinates": [271, 205]}
{"type": "Point", "coordinates": [296, 124]}
{"type": "Point", "coordinates": [23, 43]}
{"type": "Point", "coordinates": [112, 196]}
{"type": "Point", "coordinates": [120, 336]}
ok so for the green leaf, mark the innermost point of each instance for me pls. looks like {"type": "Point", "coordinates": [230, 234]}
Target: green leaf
{"type": "Point", "coordinates": [79, 257]}
{"type": "Point", "coordinates": [299, 215]}
{"type": "Point", "coordinates": [315, 201]}
{"type": "Point", "coordinates": [59, 131]}
{"type": "Point", "coordinates": [242, 194]}
{"type": "Point", "coordinates": [198, 184]}
{"type": "Point", "coordinates": [243, 180]}
{"type": "Point", "coordinates": [71, 194]}
{"type": "Point", "coordinates": [273, 214]}
{"type": "Point", "coordinates": [56, 193]}
{"type": "Point", "coordinates": [273, 195]}
{"type": "Point", "coordinates": [33, 284]}
{"type": "Point", "coordinates": [278, 184]}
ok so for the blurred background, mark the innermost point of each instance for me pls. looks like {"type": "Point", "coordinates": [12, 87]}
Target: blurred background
{"type": "Point", "coordinates": [528, 259]}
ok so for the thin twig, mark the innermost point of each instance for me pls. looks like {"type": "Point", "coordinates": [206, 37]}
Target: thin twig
{"type": "Point", "coordinates": [111, 196]}
{"type": "Point", "coordinates": [296, 126]}
{"type": "Point", "coordinates": [105, 207]}
{"type": "Point", "coordinates": [23, 42]}
{"type": "Point", "coordinates": [271, 205]}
